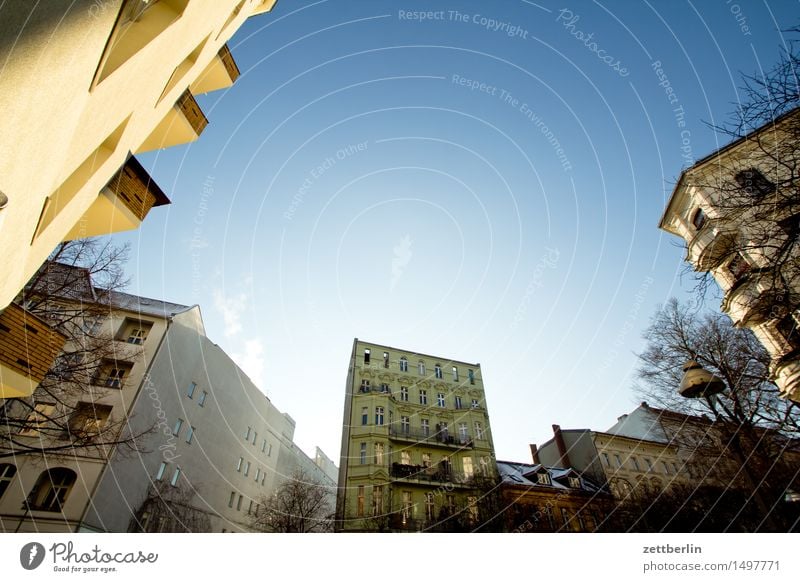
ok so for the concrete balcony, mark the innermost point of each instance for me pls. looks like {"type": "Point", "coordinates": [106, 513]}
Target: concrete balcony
{"type": "Point", "coordinates": [183, 123]}
{"type": "Point", "coordinates": [786, 374]}
{"type": "Point", "coordinates": [422, 475]}
{"type": "Point", "coordinates": [122, 205]}
{"type": "Point", "coordinates": [220, 73]}
{"type": "Point", "coordinates": [28, 348]}
{"type": "Point", "coordinates": [263, 6]}
{"type": "Point", "coordinates": [751, 299]}
{"type": "Point", "coordinates": [709, 247]}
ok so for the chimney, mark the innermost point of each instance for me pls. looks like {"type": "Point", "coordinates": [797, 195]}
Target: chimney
{"type": "Point", "coordinates": [562, 447]}
{"type": "Point", "coordinates": [535, 455]}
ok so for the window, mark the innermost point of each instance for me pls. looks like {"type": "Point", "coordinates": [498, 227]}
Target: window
{"type": "Point", "coordinates": [239, 503]}
{"type": "Point", "coordinates": [379, 415]}
{"type": "Point", "coordinates": [421, 368]}
{"type": "Point", "coordinates": [649, 464]}
{"type": "Point", "coordinates": [379, 453]}
{"type": "Point", "coordinates": [385, 388]}
{"type": "Point", "coordinates": [675, 468]}
{"type": "Point", "coordinates": [429, 507]}
{"type": "Point", "coordinates": [112, 374]}
{"type": "Point", "coordinates": [423, 397]}
{"type": "Point", "coordinates": [543, 478]}
{"type": "Point", "coordinates": [405, 424]}
{"type": "Point", "coordinates": [635, 462]}
{"type": "Point", "coordinates": [250, 507]}
{"type": "Point", "coordinates": [698, 219]}
{"type": "Point", "coordinates": [440, 399]}
{"type": "Point", "coordinates": [564, 516]}
{"type": "Point", "coordinates": [52, 489]}
{"type": "Point", "coordinates": [232, 499]}
{"type": "Point", "coordinates": [136, 332]}
{"type": "Point", "coordinates": [203, 397]}
{"type": "Point", "coordinates": [385, 359]}
{"type": "Point", "coordinates": [364, 386]}
{"type": "Point", "coordinates": [364, 416]}
{"type": "Point", "coordinates": [255, 437]}
{"type": "Point", "coordinates": [247, 468]}
{"type": "Point", "coordinates": [264, 445]}
{"type": "Point", "coordinates": [787, 327]}
{"type": "Point", "coordinates": [363, 454]}
{"type": "Point", "coordinates": [619, 461]}
{"type": "Point", "coordinates": [451, 504]}
{"type": "Point", "coordinates": [403, 393]}
{"type": "Point", "coordinates": [258, 474]}
{"type": "Point", "coordinates": [426, 427]}
{"type": "Point", "coordinates": [403, 364]}
{"type": "Point", "coordinates": [754, 183]}
{"type": "Point", "coordinates": [247, 434]}
{"type": "Point", "coordinates": [426, 460]}
{"type": "Point", "coordinates": [405, 458]}
{"type": "Point", "coordinates": [360, 502]}
{"type": "Point", "coordinates": [269, 450]}
{"type": "Point", "coordinates": [575, 482]}
{"type": "Point", "coordinates": [666, 469]}
{"type": "Point", "coordinates": [437, 371]}
{"type": "Point", "coordinates": [7, 473]}
{"type": "Point", "coordinates": [190, 435]}
{"type": "Point", "coordinates": [239, 465]}
{"type": "Point", "coordinates": [377, 500]}
{"type": "Point", "coordinates": [472, 509]}
{"type": "Point", "coordinates": [88, 419]}
{"type": "Point", "coordinates": [463, 433]}
{"type": "Point", "coordinates": [161, 470]}
{"type": "Point", "coordinates": [475, 403]}
{"type": "Point", "coordinates": [366, 357]}
{"type": "Point", "coordinates": [178, 425]}
{"type": "Point", "coordinates": [458, 402]}
{"type": "Point", "coordinates": [191, 389]}
{"type": "Point", "coordinates": [478, 431]}
{"type": "Point", "coordinates": [467, 466]}
{"type": "Point", "coordinates": [471, 376]}
{"type": "Point", "coordinates": [738, 267]}
{"type": "Point", "coordinates": [455, 374]}
{"type": "Point", "coordinates": [606, 459]}
{"type": "Point", "coordinates": [175, 476]}
{"type": "Point", "coordinates": [407, 512]}
{"type": "Point", "coordinates": [263, 477]}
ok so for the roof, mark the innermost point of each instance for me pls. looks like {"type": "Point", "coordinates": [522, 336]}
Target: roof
{"type": "Point", "coordinates": [357, 341]}
{"type": "Point", "coordinates": [718, 152]}
{"type": "Point", "coordinates": [512, 473]}
{"type": "Point", "coordinates": [145, 305]}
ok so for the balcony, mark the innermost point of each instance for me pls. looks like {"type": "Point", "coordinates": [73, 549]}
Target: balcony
{"type": "Point", "coordinates": [429, 475]}
{"type": "Point", "coordinates": [263, 6]}
{"type": "Point", "coordinates": [709, 247]}
{"type": "Point", "coordinates": [183, 123]}
{"type": "Point", "coordinates": [786, 374]}
{"type": "Point", "coordinates": [753, 298]}
{"type": "Point", "coordinates": [122, 205]}
{"type": "Point", "coordinates": [220, 73]}
{"type": "Point", "coordinates": [28, 348]}
{"type": "Point", "coordinates": [436, 438]}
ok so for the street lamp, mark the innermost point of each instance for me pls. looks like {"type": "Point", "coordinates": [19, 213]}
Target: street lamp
{"type": "Point", "coordinates": [697, 382]}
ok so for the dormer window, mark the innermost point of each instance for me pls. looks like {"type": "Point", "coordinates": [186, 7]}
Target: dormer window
{"type": "Point", "coordinates": [754, 183]}
{"type": "Point", "coordinates": [543, 478]}
{"type": "Point", "coordinates": [698, 218]}
{"type": "Point", "coordinates": [575, 482]}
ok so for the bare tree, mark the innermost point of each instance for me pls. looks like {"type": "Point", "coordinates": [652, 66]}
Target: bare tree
{"type": "Point", "coordinates": [73, 291]}
{"type": "Point", "coordinates": [302, 504]}
{"type": "Point", "coordinates": [170, 509]}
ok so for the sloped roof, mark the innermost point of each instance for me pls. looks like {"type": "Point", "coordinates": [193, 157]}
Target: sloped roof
{"type": "Point", "coordinates": [512, 473]}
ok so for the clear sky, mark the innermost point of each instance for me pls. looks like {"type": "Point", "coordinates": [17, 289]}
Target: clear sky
{"type": "Point", "coordinates": [483, 184]}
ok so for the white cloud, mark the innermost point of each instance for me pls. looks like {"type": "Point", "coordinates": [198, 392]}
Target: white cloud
{"type": "Point", "coordinates": [252, 360]}
{"type": "Point", "coordinates": [231, 309]}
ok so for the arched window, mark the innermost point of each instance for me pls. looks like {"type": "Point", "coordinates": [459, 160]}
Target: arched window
{"type": "Point", "coordinates": [437, 369]}
{"type": "Point", "coordinates": [421, 368]}
{"type": "Point", "coordinates": [52, 489]}
{"type": "Point", "coordinates": [698, 218]}
{"type": "Point", "coordinates": [403, 364]}
{"type": "Point", "coordinates": [7, 473]}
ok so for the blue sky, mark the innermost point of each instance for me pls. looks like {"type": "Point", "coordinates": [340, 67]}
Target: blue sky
{"type": "Point", "coordinates": [484, 184]}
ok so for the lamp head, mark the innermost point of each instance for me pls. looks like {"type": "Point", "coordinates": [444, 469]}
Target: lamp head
{"type": "Point", "coordinates": [698, 382]}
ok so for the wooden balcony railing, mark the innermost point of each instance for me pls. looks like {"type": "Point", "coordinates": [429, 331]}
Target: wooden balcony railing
{"type": "Point", "coordinates": [27, 344]}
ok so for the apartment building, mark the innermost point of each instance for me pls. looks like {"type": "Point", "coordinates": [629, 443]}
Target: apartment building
{"type": "Point", "coordinates": [196, 446]}
{"type": "Point", "coordinates": [417, 451]}
{"type": "Point", "coordinates": [738, 210]}
{"type": "Point", "coordinates": [85, 86]}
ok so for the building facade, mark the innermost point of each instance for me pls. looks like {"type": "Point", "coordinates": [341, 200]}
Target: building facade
{"type": "Point", "coordinates": [417, 451]}
{"type": "Point", "coordinates": [199, 447]}
{"type": "Point", "coordinates": [85, 86]}
{"type": "Point", "coordinates": [738, 210]}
